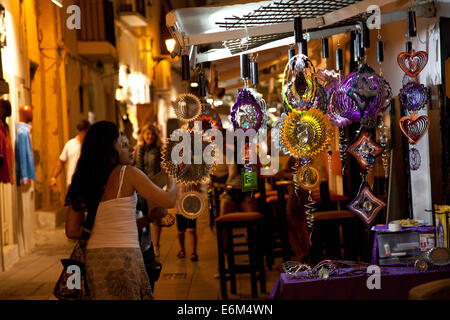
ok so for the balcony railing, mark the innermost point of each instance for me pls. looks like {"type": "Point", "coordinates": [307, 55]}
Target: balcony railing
{"type": "Point", "coordinates": [133, 12]}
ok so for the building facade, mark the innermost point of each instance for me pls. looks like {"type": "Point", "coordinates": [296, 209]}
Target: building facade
{"type": "Point", "coordinates": [107, 69]}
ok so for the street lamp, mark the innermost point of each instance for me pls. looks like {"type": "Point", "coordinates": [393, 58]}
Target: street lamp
{"type": "Point", "coordinates": [170, 45]}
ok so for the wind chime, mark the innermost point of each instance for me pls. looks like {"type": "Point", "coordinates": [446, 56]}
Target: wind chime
{"type": "Point", "coordinates": [192, 174]}
{"type": "Point", "coordinates": [370, 94]}
{"type": "Point", "coordinates": [249, 113]}
{"type": "Point", "coordinates": [304, 131]}
{"type": "Point", "coordinates": [328, 81]}
{"type": "Point", "coordinates": [413, 96]}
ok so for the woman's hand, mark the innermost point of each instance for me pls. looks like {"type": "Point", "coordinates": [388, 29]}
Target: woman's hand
{"type": "Point", "coordinates": [146, 188]}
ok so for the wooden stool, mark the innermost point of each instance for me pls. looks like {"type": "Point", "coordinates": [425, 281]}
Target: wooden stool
{"type": "Point", "coordinates": [253, 222]}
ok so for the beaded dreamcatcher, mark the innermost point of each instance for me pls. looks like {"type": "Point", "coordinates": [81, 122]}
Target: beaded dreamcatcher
{"type": "Point", "coordinates": [247, 113]}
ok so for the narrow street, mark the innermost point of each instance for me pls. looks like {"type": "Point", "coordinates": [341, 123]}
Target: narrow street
{"type": "Point", "coordinates": [34, 276]}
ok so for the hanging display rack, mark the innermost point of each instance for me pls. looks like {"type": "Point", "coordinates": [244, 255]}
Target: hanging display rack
{"type": "Point", "coordinates": [269, 23]}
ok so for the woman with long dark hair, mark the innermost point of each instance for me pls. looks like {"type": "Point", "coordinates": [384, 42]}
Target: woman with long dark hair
{"type": "Point", "coordinates": [114, 263]}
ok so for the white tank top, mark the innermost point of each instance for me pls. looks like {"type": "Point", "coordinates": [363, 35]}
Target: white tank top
{"type": "Point", "coordinates": [115, 222]}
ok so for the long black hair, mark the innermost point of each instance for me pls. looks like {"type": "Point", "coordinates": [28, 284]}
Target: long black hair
{"type": "Point", "coordinates": [97, 160]}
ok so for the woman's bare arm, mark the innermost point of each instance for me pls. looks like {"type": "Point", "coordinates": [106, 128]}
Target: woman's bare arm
{"type": "Point", "coordinates": [74, 220]}
{"type": "Point", "coordinates": [152, 192]}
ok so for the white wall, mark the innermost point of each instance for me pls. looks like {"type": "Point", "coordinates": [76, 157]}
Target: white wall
{"type": "Point", "coordinates": [394, 39]}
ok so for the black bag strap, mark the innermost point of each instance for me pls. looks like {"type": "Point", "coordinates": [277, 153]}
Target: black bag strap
{"type": "Point", "coordinates": [88, 223]}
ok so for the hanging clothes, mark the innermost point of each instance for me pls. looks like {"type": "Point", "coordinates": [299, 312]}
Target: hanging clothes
{"type": "Point", "coordinates": [24, 155]}
{"type": "Point", "coordinates": [5, 155]}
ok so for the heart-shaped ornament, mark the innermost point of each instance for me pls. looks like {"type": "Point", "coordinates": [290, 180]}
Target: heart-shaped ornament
{"type": "Point", "coordinates": [412, 63]}
{"type": "Point", "coordinates": [414, 127]}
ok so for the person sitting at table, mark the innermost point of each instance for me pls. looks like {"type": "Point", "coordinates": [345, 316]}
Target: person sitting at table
{"type": "Point", "coordinates": [296, 215]}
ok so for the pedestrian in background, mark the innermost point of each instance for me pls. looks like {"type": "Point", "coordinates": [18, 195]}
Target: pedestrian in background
{"type": "Point", "coordinates": [148, 160]}
{"type": "Point", "coordinates": [70, 154]}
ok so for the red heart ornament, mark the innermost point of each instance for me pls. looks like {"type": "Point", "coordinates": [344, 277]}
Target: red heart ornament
{"type": "Point", "coordinates": [414, 127]}
{"type": "Point", "coordinates": [412, 63]}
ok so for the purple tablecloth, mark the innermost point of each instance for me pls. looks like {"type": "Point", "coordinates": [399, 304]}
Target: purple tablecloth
{"type": "Point", "coordinates": [385, 228]}
{"type": "Point", "coordinates": [395, 285]}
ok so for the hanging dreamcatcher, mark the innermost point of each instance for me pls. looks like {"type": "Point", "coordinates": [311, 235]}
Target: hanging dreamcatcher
{"type": "Point", "coordinates": [299, 84]}
{"type": "Point", "coordinates": [366, 205]}
{"type": "Point", "coordinates": [191, 203]}
{"type": "Point", "coordinates": [208, 118]}
{"type": "Point", "coordinates": [179, 159]}
{"type": "Point", "coordinates": [371, 94]}
{"type": "Point", "coordinates": [305, 135]}
{"type": "Point", "coordinates": [187, 107]}
{"type": "Point", "coordinates": [365, 150]}
{"type": "Point", "coordinates": [414, 127]}
{"type": "Point", "coordinates": [413, 96]}
{"type": "Point", "coordinates": [247, 112]}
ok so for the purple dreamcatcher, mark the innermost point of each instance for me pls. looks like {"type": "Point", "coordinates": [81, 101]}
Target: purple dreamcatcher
{"type": "Point", "coordinates": [342, 110]}
{"type": "Point", "coordinates": [370, 92]}
{"type": "Point", "coordinates": [414, 96]}
{"type": "Point", "coordinates": [246, 112]}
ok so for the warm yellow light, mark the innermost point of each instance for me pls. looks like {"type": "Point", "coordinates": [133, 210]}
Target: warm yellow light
{"type": "Point", "coordinates": [57, 3]}
{"type": "Point", "coordinates": [194, 84]}
{"type": "Point", "coordinates": [170, 45]}
{"type": "Point", "coordinates": [118, 94]}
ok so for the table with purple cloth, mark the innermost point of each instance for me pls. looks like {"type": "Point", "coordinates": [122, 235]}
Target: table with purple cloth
{"type": "Point", "coordinates": [395, 284]}
{"type": "Point", "coordinates": [385, 228]}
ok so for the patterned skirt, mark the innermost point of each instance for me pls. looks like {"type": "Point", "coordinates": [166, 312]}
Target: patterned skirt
{"type": "Point", "coordinates": [117, 274]}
